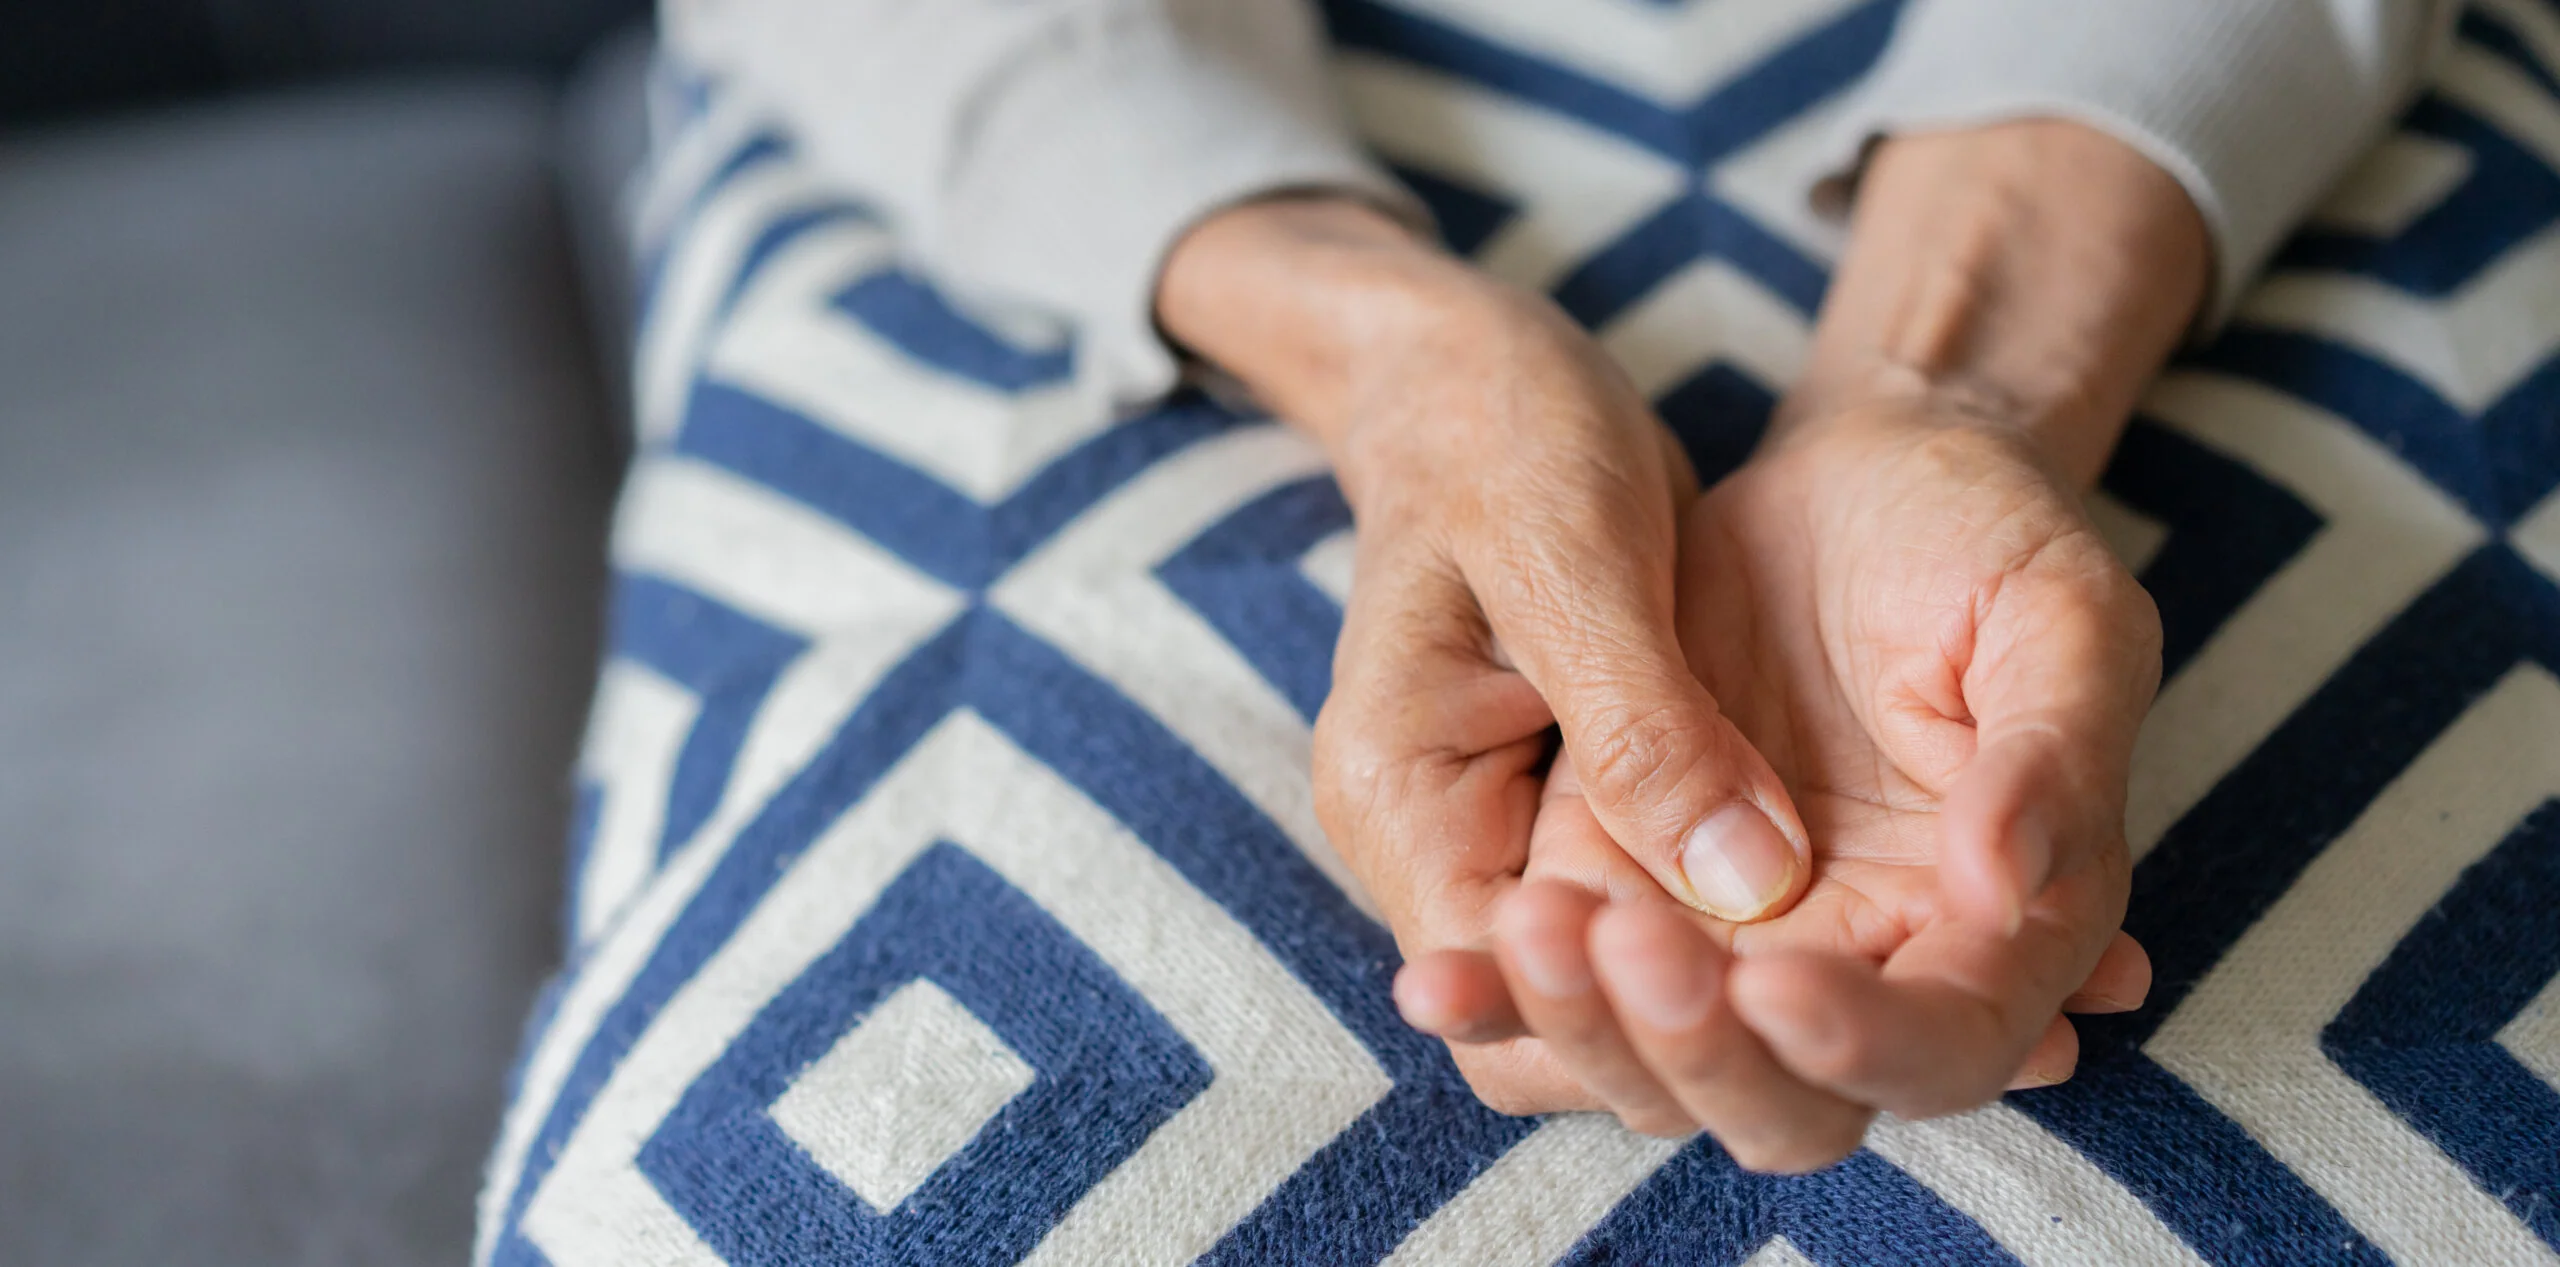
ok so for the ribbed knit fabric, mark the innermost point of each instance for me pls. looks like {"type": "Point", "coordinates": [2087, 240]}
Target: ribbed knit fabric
{"type": "Point", "coordinates": [1048, 153]}
{"type": "Point", "coordinates": [2256, 106]}
{"type": "Point", "coordinates": [1051, 153]}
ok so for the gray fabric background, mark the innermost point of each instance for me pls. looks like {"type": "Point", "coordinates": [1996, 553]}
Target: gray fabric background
{"type": "Point", "coordinates": [303, 479]}
{"type": "Point", "coordinates": [603, 141]}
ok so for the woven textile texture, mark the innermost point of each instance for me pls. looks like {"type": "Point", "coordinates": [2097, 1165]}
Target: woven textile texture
{"type": "Point", "coordinates": [948, 889]}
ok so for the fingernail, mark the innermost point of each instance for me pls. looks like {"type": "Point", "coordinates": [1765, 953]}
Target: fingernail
{"type": "Point", "coordinates": [1737, 863]}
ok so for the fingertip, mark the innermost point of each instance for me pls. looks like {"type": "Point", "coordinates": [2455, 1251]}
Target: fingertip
{"type": "Point", "coordinates": [1457, 995]}
{"type": "Point", "coordinates": [1687, 796]}
{"type": "Point", "coordinates": [2052, 1061]}
{"type": "Point", "coordinates": [1809, 1153]}
{"type": "Point", "coordinates": [1523, 1080]}
{"type": "Point", "coordinates": [1423, 997]}
{"type": "Point", "coordinates": [2120, 982]}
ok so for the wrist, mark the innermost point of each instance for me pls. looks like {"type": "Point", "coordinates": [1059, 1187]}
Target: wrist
{"type": "Point", "coordinates": [1305, 300]}
{"type": "Point", "coordinates": [1423, 379]}
{"type": "Point", "coordinates": [2025, 277]}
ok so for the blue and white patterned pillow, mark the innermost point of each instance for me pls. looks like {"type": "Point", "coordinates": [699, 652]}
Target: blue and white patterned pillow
{"type": "Point", "coordinates": [948, 887]}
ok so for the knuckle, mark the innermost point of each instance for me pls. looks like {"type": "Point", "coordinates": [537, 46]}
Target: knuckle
{"type": "Point", "coordinates": [1633, 754]}
{"type": "Point", "coordinates": [1350, 751]}
{"type": "Point", "coordinates": [1587, 1033]}
{"type": "Point", "coordinates": [2114, 858]}
{"type": "Point", "coordinates": [1560, 556]}
{"type": "Point", "coordinates": [2111, 591]}
{"type": "Point", "coordinates": [1363, 779]}
{"type": "Point", "coordinates": [1527, 583]}
{"type": "Point", "coordinates": [2103, 591]}
{"type": "Point", "coordinates": [2138, 615]}
{"type": "Point", "coordinates": [2096, 603]}
{"type": "Point", "coordinates": [1350, 766]}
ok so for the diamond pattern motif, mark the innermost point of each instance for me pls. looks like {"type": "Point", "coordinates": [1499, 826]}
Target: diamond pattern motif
{"type": "Point", "coordinates": [945, 704]}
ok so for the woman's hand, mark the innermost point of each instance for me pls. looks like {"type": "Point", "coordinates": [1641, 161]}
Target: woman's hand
{"type": "Point", "coordinates": [1900, 602]}
{"type": "Point", "coordinates": [1518, 506]}
{"type": "Point", "coordinates": [1907, 612]}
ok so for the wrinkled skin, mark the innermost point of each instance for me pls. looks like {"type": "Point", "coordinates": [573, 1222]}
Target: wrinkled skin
{"type": "Point", "coordinates": [1914, 622]}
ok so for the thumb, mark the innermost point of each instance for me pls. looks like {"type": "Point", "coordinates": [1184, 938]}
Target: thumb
{"type": "Point", "coordinates": [2002, 820]}
{"type": "Point", "coordinates": [1679, 789]}
{"type": "Point", "coordinates": [2058, 702]}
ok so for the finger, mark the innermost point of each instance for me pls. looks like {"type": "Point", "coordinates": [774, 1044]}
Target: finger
{"type": "Point", "coordinates": [2000, 831]}
{"type": "Point", "coordinates": [2033, 862]}
{"type": "Point", "coordinates": [1458, 995]}
{"type": "Point", "coordinates": [2066, 665]}
{"type": "Point", "coordinates": [1940, 1027]}
{"type": "Point", "coordinates": [2119, 983]}
{"type": "Point", "coordinates": [2051, 1061]}
{"type": "Point", "coordinates": [1567, 843]}
{"type": "Point", "coordinates": [1581, 597]}
{"type": "Point", "coordinates": [1540, 933]}
{"type": "Point", "coordinates": [1425, 756]}
{"type": "Point", "coordinates": [1665, 978]}
{"type": "Point", "coordinates": [1835, 1022]}
{"type": "Point", "coordinates": [1521, 1078]}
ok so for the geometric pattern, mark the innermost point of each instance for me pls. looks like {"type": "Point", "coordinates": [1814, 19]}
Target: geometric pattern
{"type": "Point", "coordinates": [947, 884]}
{"type": "Point", "coordinates": [913, 1082]}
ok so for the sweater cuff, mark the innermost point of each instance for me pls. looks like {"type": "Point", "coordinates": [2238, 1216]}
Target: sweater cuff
{"type": "Point", "coordinates": [2256, 109]}
{"type": "Point", "coordinates": [1089, 163]}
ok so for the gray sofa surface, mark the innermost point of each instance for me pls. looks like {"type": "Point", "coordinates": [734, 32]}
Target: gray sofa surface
{"type": "Point", "coordinates": [303, 479]}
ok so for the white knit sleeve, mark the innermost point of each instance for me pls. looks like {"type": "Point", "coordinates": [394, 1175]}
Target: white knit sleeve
{"type": "Point", "coordinates": [1049, 151]}
{"type": "Point", "coordinates": [2255, 106]}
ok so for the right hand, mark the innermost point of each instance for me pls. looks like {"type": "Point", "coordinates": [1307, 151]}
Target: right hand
{"type": "Point", "coordinates": [1519, 509]}
{"type": "Point", "coordinates": [1906, 610]}
{"type": "Point", "coordinates": [1901, 601]}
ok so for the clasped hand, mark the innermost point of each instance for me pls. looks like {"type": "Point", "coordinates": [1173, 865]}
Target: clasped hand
{"type": "Point", "coordinates": [1942, 667]}
{"type": "Point", "coordinates": [1756, 810]}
